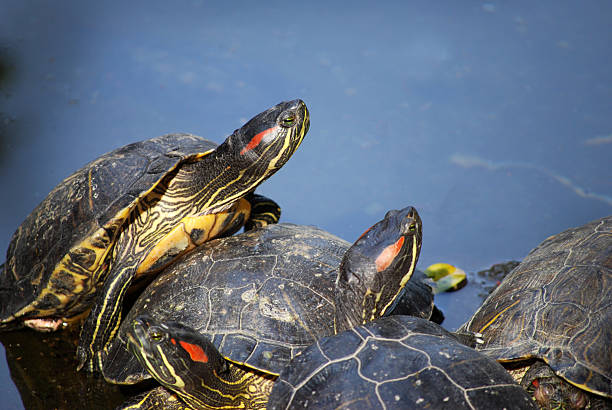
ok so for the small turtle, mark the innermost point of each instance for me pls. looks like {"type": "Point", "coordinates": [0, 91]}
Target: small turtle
{"type": "Point", "coordinates": [556, 308]}
{"type": "Point", "coordinates": [131, 212]}
{"type": "Point", "coordinates": [264, 295]}
{"type": "Point", "coordinates": [396, 362]}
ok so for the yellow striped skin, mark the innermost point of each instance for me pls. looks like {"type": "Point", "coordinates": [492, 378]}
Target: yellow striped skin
{"type": "Point", "coordinates": [131, 212]}
{"type": "Point", "coordinates": [185, 362]}
{"type": "Point", "coordinates": [202, 193]}
{"type": "Point", "coordinates": [155, 399]}
{"type": "Point", "coordinates": [192, 231]}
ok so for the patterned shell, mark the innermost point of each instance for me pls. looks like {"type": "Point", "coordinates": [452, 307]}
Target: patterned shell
{"type": "Point", "coordinates": [557, 306]}
{"type": "Point", "coordinates": [260, 297]}
{"type": "Point", "coordinates": [396, 362]}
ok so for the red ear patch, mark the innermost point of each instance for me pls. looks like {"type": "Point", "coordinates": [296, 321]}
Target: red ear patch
{"type": "Point", "coordinates": [195, 352]}
{"type": "Point", "coordinates": [256, 140]}
{"type": "Point", "coordinates": [388, 254]}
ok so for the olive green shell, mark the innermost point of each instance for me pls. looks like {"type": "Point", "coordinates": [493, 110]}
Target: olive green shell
{"type": "Point", "coordinates": [397, 362]}
{"type": "Point", "coordinates": [557, 306]}
{"type": "Point", "coordinates": [271, 288]}
{"type": "Point", "coordinates": [76, 208]}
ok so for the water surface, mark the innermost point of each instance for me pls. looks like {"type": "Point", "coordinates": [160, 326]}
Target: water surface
{"type": "Point", "coordinates": [492, 118]}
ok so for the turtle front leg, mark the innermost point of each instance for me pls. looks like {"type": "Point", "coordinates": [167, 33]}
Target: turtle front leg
{"type": "Point", "coordinates": [264, 211]}
{"type": "Point", "coordinates": [104, 318]}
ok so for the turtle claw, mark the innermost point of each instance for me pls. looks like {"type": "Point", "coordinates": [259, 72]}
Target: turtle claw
{"type": "Point", "coordinates": [471, 339]}
{"type": "Point", "coordinates": [84, 361]}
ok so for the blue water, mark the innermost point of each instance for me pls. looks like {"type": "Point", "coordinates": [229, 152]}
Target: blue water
{"type": "Point", "coordinates": [494, 119]}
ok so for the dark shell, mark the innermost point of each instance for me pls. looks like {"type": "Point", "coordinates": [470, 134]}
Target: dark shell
{"type": "Point", "coordinates": [557, 306]}
{"type": "Point", "coordinates": [271, 289]}
{"type": "Point", "coordinates": [260, 296]}
{"type": "Point", "coordinates": [395, 362]}
{"type": "Point", "coordinates": [417, 299]}
{"type": "Point", "coordinates": [80, 205]}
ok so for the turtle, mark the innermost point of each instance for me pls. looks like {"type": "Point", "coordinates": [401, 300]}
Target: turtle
{"type": "Point", "coordinates": [390, 362]}
{"type": "Point", "coordinates": [395, 362]}
{"type": "Point", "coordinates": [129, 213]}
{"type": "Point", "coordinates": [555, 308]}
{"type": "Point", "coordinates": [263, 295]}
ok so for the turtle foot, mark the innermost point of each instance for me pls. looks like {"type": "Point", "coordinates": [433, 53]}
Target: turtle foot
{"type": "Point", "coordinates": [44, 325]}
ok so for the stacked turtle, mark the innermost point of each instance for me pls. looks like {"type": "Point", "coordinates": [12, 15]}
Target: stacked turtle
{"type": "Point", "coordinates": [383, 362]}
{"type": "Point", "coordinates": [286, 315]}
{"type": "Point", "coordinates": [264, 295]}
{"type": "Point", "coordinates": [126, 215]}
{"type": "Point", "coordinates": [221, 324]}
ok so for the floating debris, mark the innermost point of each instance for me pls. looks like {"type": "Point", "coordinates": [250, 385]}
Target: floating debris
{"type": "Point", "coordinates": [605, 139]}
{"type": "Point", "coordinates": [446, 277]}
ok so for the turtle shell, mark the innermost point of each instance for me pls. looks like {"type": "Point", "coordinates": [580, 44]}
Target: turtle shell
{"type": "Point", "coordinates": [557, 306]}
{"type": "Point", "coordinates": [260, 297]}
{"type": "Point", "coordinates": [395, 362]}
{"type": "Point", "coordinates": [88, 206]}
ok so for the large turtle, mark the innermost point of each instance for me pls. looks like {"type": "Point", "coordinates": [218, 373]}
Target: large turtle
{"type": "Point", "coordinates": [131, 212]}
{"type": "Point", "coordinates": [556, 308]}
{"type": "Point", "coordinates": [264, 295]}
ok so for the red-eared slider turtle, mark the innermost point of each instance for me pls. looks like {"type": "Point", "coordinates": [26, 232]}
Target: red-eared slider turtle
{"type": "Point", "coordinates": [392, 362]}
{"type": "Point", "coordinates": [131, 212]}
{"type": "Point", "coordinates": [396, 362]}
{"type": "Point", "coordinates": [556, 308]}
{"type": "Point", "coordinates": [263, 295]}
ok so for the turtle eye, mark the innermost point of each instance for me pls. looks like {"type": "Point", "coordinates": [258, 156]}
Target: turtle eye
{"type": "Point", "coordinates": [412, 227]}
{"type": "Point", "coordinates": [156, 334]}
{"type": "Point", "coordinates": [288, 121]}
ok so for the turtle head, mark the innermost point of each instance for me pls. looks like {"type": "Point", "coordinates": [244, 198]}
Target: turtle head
{"type": "Point", "coordinates": [176, 356]}
{"type": "Point", "coordinates": [267, 141]}
{"type": "Point", "coordinates": [377, 267]}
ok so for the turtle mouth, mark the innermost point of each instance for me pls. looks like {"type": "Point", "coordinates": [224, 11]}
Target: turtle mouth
{"type": "Point", "coordinates": [139, 340]}
{"type": "Point", "coordinates": [144, 339]}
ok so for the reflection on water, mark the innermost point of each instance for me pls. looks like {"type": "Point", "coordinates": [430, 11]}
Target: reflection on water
{"type": "Point", "coordinates": [516, 94]}
{"type": "Point", "coordinates": [469, 161]}
{"type": "Point", "coordinates": [42, 366]}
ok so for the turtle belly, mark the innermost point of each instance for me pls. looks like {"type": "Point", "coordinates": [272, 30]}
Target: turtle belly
{"type": "Point", "coordinates": [193, 231]}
